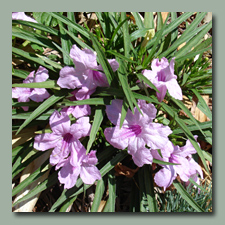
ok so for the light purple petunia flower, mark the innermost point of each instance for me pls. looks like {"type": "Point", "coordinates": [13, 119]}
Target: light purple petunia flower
{"type": "Point", "coordinates": [78, 164]}
{"type": "Point", "coordinates": [64, 137]}
{"type": "Point", "coordinates": [163, 77]}
{"type": "Point", "coordinates": [22, 16]}
{"type": "Point", "coordinates": [84, 76]}
{"type": "Point", "coordinates": [180, 155]}
{"type": "Point", "coordinates": [35, 94]}
{"type": "Point", "coordinates": [137, 131]}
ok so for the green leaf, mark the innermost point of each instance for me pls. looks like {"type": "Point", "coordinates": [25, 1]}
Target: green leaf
{"type": "Point", "coordinates": [31, 178]}
{"type": "Point", "coordinates": [184, 194]}
{"type": "Point", "coordinates": [191, 54]}
{"type": "Point", "coordinates": [26, 115]}
{"type": "Point", "coordinates": [203, 125]}
{"type": "Point", "coordinates": [116, 31]}
{"type": "Point", "coordinates": [77, 40]}
{"type": "Point", "coordinates": [90, 101]}
{"type": "Point", "coordinates": [45, 105]}
{"type": "Point", "coordinates": [149, 20]}
{"type": "Point", "coordinates": [112, 191]}
{"type": "Point", "coordinates": [184, 38]}
{"type": "Point", "coordinates": [124, 110]}
{"type": "Point", "coordinates": [98, 118]}
{"type": "Point", "coordinates": [66, 45]}
{"type": "Point", "coordinates": [20, 73]}
{"type": "Point", "coordinates": [173, 25]}
{"type": "Point", "coordinates": [153, 49]}
{"type": "Point", "coordinates": [138, 20]}
{"type": "Point", "coordinates": [100, 188]}
{"type": "Point", "coordinates": [126, 36]}
{"type": "Point", "coordinates": [24, 160]}
{"type": "Point", "coordinates": [70, 23]}
{"type": "Point", "coordinates": [122, 74]}
{"type": "Point", "coordinates": [138, 33]}
{"type": "Point", "coordinates": [157, 161]}
{"type": "Point", "coordinates": [38, 26]}
{"type": "Point", "coordinates": [186, 110]}
{"type": "Point", "coordinates": [202, 104]}
{"type": "Point", "coordinates": [120, 56]}
{"type": "Point", "coordinates": [45, 84]}
{"type": "Point", "coordinates": [45, 18]}
{"type": "Point", "coordinates": [194, 41]}
{"type": "Point", "coordinates": [49, 61]}
{"type": "Point", "coordinates": [32, 37]}
{"type": "Point", "coordinates": [149, 188]}
{"type": "Point", "coordinates": [33, 58]}
{"type": "Point", "coordinates": [159, 21]}
{"type": "Point", "coordinates": [51, 180]}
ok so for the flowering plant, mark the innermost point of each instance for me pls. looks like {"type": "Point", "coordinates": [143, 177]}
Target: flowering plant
{"type": "Point", "coordinates": [105, 108]}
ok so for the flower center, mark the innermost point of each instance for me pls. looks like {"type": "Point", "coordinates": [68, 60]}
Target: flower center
{"type": "Point", "coordinates": [66, 140]}
{"type": "Point", "coordinates": [161, 76]}
{"type": "Point", "coordinates": [133, 130]}
{"type": "Point", "coordinates": [173, 159]}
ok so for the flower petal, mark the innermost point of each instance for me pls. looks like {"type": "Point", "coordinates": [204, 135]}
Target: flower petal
{"type": "Point", "coordinates": [69, 78]}
{"type": "Point", "coordinates": [90, 174]}
{"type": "Point", "coordinates": [159, 65]}
{"type": "Point", "coordinates": [114, 135]}
{"type": "Point", "coordinates": [161, 86]}
{"type": "Point", "coordinates": [83, 59]}
{"type": "Point", "coordinates": [174, 89]}
{"type": "Point", "coordinates": [113, 111]}
{"type": "Point", "coordinates": [60, 124]}
{"type": "Point", "coordinates": [165, 177]}
{"type": "Point", "coordinates": [39, 94]}
{"type": "Point", "coordinates": [41, 74]}
{"type": "Point", "coordinates": [81, 128]}
{"type": "Point", "coordinates": [142, 156]}
{"type": "Point", "coordinates": [156, 135]}
{"type": "Point", "coordinates": [46, 141]}
{"type": "Point", "coordinates": [68, 175]}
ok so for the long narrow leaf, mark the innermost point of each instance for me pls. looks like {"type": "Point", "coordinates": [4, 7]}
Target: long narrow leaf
{"type": "Point", "coordinates": [149, 188]}
{"type": "Point", "coordinates": [45, 105]}
{"type": "Point", "coordinates": [202, 104]}
{"type": "Point", "coordinates": [98, 118]}
{"type": "Point", "coordinates": [184, 194]}
{"type": "Point", "coordinates": [100, 188]}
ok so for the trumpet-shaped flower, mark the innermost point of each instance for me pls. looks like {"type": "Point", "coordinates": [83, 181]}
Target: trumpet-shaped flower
{"type": "Point", "coordinates": [64, 137]}
{"type": "Point", "coordinates": [163, 77]}
{"type": "Point", "coordinates": [186, 166]}
{"type": "Point", "coordinates": [35, 94]}
{"type": "Point", "coordinates": [78, 164]}
{"type": "Point", "coordinates": [137, 131]}
{"type": "Point", "coordinates": [85, 75]}
{"type": "Point", "coordinates": [22, 16]}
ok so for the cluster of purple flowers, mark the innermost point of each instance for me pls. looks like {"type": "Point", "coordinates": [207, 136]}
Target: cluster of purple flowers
{"type": "Point", "coordinates": [139, 134]}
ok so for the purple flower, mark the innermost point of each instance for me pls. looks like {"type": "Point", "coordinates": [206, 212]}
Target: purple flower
{"type": "Point", "coordinates": [64, 137]}
{"type": "Point", "coordinates": [78, 164]}
{"type": "Point", "coordinates": [35, 94]}
{"type": "Point", "coordinates": [180, 155]}
{"type": "Point", "coordinates": [85, 76]}
{"type": "Point", "coordinates": [78, 110]}
{"type": "Point", "coordinates": [137, 131]}
{"type": "Point", "coordinates": [22, 16]}
{"type": "Point", "coordinates": [163, 77]}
